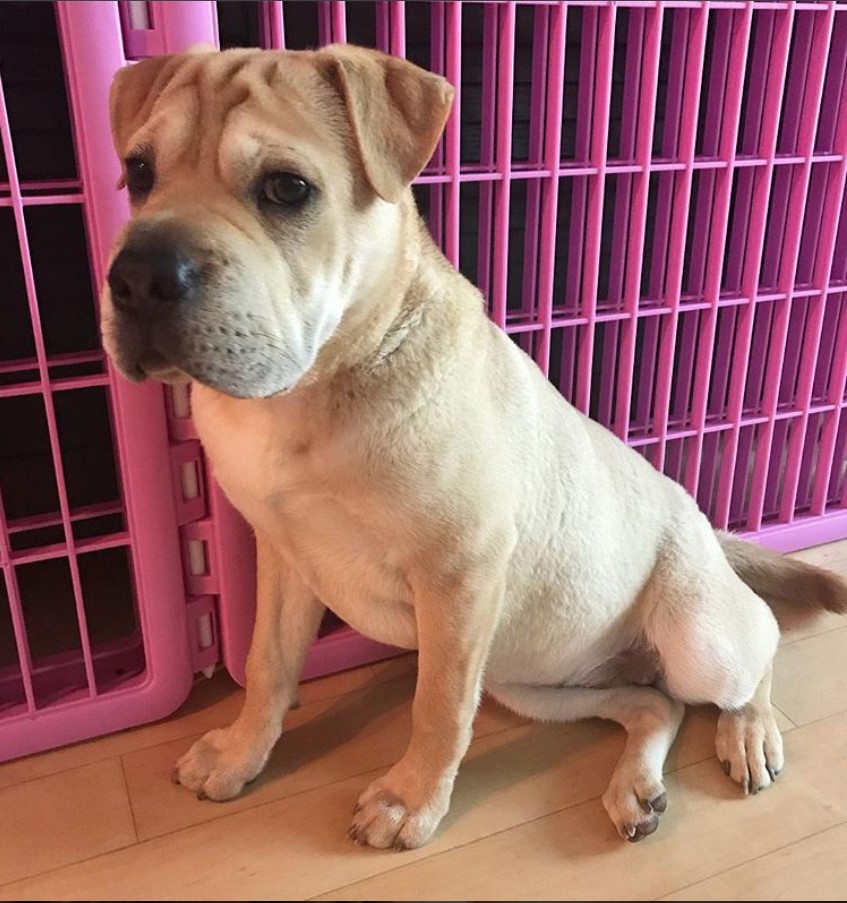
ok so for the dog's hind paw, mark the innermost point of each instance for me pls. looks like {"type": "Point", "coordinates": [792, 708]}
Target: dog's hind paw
{"type": "Point", "coordinates": [634, 805]}
{"type": "Point", "coordinates": [749, 746]}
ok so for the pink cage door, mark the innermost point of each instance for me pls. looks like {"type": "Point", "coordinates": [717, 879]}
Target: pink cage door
{"type": "Point", "coordinates": [93, 633]}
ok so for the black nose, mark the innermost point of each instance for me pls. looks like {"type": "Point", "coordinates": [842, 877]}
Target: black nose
{"type": "Point", "coordinates": [147, 275]}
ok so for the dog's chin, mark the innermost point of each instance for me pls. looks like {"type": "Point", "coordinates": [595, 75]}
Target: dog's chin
{"type": "Point", "coordinates": [139, 371]}
{"type": "Point", "coordinates": [244, 392]}
{"type": "Point", "coordinates": [240, 385]}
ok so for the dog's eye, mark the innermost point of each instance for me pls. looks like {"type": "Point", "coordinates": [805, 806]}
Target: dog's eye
{"type": "Point", "coordinates": [286, 188]}
{"type": "Point", "coordinates": [139, 176]}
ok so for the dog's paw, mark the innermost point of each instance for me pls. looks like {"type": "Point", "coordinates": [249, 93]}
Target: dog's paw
{"type": "Point", "coordinates": [386, 817]}
{"type": "Point", "coordinates": [749, 746]}
{"type": "Point", "coordinates": [220, 763]}
{"type": "Point", "coordinates": [634, 803]}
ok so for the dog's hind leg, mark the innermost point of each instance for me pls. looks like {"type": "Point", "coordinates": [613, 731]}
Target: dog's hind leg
{"type": "Point", "coordinates": [636, 795]}
{"type": "Point", "coordinates": [748, 742]}
{"type": "Point", "coordinates": [716, 640]}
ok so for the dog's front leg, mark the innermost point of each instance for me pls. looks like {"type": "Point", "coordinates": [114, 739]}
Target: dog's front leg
{"type": "Point", "coordinates": [288, 615]}
{"type": "Point", "coordinates": [455, 624]}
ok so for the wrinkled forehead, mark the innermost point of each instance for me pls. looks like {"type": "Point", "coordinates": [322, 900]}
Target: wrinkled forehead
{"type": "Point", "coordinates": [237, 113]}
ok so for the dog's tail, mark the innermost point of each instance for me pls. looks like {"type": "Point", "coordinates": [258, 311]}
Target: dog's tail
{"type": "Point", "coordinates": [795, 591]}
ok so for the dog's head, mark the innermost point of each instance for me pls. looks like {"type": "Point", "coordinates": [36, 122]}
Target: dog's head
{"type": "Point", "coordinates": [266, 192]}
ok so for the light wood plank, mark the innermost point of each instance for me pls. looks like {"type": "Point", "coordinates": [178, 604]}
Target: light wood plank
{"type": "Point", "coordinates": [810, 677]}
{"type": "Point", "coordinates": [63, 818]}
{"type": "Point", "coordinates": [830, 555]}
{"type": "Point", "coordinates": [812, 869]}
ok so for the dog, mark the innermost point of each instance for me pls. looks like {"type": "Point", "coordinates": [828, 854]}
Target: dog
{"type": "Point", "coordinates": [400, 460]}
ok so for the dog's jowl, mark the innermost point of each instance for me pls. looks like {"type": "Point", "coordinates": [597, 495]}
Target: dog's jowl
{"type": "Point", "coordinates": [401, 461]}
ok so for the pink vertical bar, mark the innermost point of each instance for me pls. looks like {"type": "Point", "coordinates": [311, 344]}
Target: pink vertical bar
{"type": "Point", "coordinates": [383, 23]}
{"type": "Point", "coordinates": [751, 137]}
{"type": "Point", "coordinates": [398, 28]}
{"type": "Point", "coordinates": [822, 32]}
{"type": "Point", "coordinates": [649, 81]}
{"type": "Point", "coordinates": [801, 50]}
{"type": "Point", "coordinates": [487, 146]}
{"type": "Point", "coordinates": [676, 83]}
{"type": "Point", "coordinates": [438, 64]}
{"type": "Point", "coordinates": [679, 227]}
{"type": "Point", "coordinates": [684, 375]}
{"type": "Point", "coordinates": [669, 151]}
{"type": "Point", "coordinates": [626, 151]}
{"type": "Point", "coordinates": [532, 220]}
{"type": "Point", "coordinates": [715, 118]}
{"type": "Point", "coordinates": [273, 25]}
{"type": "Point", "coordinates": [778, 39]}
{"type": "Point", "coordinates": [633, 87]}
{"type": "Point", "coordinates": [619, 240]}
{"type": "Point", "coordinates": [338, 24]}
{"type": "Point", "coordinates": [716, 113]}
{"type": "Point", "coordinates": [183, 24]}
{"type": "Point", "coordinates": [324, 10]}
{"type": "Point", "coordinates": [696, 257]}
{"type": "Point", "coordinates": [550, 198]}
{"type": "Point", "coordinates": [739, 39]}
{"type": "Point", "coordinates": [44, 379]}
{"type": "Point", "coordinates": [582, 152]}
{"type": "Point", "coordinates": [832, 105]}
{"type": "Point", "coordinates": [649, 350]}
{"type": "Point", "coordinates": [502, 192]}
{"type": "Point", "coordinates": [453, 150]}
{"type": "Point", "coordinates": [16, 610]}
{"type": "Point", "coordinates": [597, 184]}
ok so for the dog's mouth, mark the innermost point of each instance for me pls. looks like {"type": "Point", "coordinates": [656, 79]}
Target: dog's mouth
{"type": "Point", "coordinates": [231, 381]}
{"type": "Point", "coordinates": [233, 357]}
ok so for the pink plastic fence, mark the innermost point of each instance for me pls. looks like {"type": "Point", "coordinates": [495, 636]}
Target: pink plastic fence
{"type": "Point", "coordinates": [650, 196]}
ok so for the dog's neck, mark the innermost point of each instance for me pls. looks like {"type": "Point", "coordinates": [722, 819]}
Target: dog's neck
{"type": "Point", "coordinates": [376, 323]}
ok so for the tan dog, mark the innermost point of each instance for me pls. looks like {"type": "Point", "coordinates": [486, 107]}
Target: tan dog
{"type": "Point", "coordinates": [401, 461]}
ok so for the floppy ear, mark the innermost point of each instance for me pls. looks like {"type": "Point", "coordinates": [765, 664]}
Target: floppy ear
{"type": "Point", "coordinates": [136, 88]}
{"type": "Point", "coordinates": [397, 112]}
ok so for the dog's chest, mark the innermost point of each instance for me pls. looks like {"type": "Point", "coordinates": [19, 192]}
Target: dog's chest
{"type": "Point", "coordinates": [338, 538]}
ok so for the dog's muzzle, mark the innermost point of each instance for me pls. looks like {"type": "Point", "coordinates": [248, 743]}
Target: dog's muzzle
{"type": "Point", "coordinates": [175, 316]}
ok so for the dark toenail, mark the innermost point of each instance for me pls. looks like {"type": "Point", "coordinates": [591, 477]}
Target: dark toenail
{"type": "Point", "coordinates": [725, 767]}
{"type": "Point", "coordinates": [660, 803]}
{"type": "Point", "coordinates": [649, 826]}
{"type": "Point", "coordinates": [201, 795]}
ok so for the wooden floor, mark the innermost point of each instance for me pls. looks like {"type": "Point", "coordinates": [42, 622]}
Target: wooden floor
{"type": "Point", "coordinates": [101, 820]}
